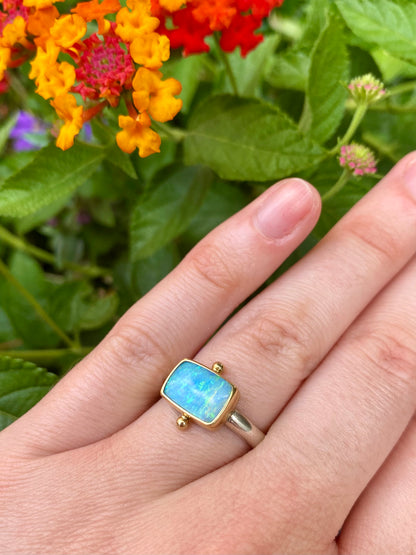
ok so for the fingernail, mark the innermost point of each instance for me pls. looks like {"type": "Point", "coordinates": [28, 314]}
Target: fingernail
{"type": "Point", "coordinates": [409, 177]}
{"type": "Point", "coordinates": [284, 208]}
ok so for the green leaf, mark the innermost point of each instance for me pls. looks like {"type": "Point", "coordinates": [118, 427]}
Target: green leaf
{"type": "Point", "coordinates": [221, 202]}
{"type": "Point", "coordinates": [187, 70]}
{"type": "Point", "coordinates": [325, 93]}
{"type": "Point", "coordinates": [75, 306]}
{"type": "Point", "coordinates": [120, 160]}
{"type": "Point", "coordinates": [391, 67]}
{"type": "Point", "coordinates": [337, 206]}
{"type": "Point", "coordinates": [14, 162]}
{"type": "Point", "coordinates": [247, 139]}
{"type": "Point", "coordinates": [27, 223]}
{"type": "Point", "coordinates": [289, 70]}
{"type": "Point", "coordinates": [28, 325]}
{"type": "Point", "coordinates": [7, 332]}
{"type": "Point", "coordinates": [165, 210]}
{"type": "Point", "coordinates": [22, 385]}
{"type": "Point", "coordinates": [315, 23]}
{"type": "Point", "coordinates": [249, 71]}
{"type": "Point", "coordinates": [389, 23]}
{"type": "Point", "coordinates": [51, 175]}
{"type": "Point", "coordinates": [97, 311]}
{"type": "Point", "coordinates": [146, 273]}
{"type": "Point", "coordinates": [5, 130]}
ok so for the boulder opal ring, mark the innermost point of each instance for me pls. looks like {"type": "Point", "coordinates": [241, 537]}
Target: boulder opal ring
{"type": "Point", "coordinates": [205, 397]}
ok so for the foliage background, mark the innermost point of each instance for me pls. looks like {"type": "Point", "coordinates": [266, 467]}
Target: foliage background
{"type": "Point", "coordinates": [86, 232]}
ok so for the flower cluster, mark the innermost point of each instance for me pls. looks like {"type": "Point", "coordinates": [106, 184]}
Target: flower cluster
{"type": "Point", "coordinates": [357, 158]}
{"type": "Point", "coordinates": [187, 23]}
{"type": "Point", "coordinates": [80, 72]}
{"type": "Point", "coordinates": [366, 89]}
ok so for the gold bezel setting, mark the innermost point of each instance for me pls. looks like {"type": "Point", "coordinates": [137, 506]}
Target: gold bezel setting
{"type": "Point", "coordinates": [221, 417]}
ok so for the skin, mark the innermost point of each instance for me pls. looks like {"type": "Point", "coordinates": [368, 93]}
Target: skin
{"type": "Point", "coordinates": [325, 359]}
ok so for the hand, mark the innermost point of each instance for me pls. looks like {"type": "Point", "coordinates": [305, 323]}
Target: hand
{"type": "Point", "coordinates": [325, 359]}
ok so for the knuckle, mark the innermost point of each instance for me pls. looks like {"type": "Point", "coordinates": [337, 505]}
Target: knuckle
{"type": "Point", "coordinates": [135, 343]}
{"type": "Point", "coordinates": [392, 352]}
{"type": "Point", "coordinates": [209, 262]}
{"type": "Point", "coordinates": [376, 237]}
{"type": "Point", "coordinates": [273, 336]}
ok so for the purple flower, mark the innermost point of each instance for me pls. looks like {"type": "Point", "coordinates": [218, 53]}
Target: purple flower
{"type": "Point", "coordinates": [24, 133]}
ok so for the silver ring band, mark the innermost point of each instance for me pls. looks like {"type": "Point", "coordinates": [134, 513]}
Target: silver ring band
{"type": "Point", "coordinates": [244, 428]}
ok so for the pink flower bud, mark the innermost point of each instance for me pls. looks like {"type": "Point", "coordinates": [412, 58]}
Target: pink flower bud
{"type": "Point", "coordinates": [359, 159]}
{"type": "Point", "coordinates": [366, 89]}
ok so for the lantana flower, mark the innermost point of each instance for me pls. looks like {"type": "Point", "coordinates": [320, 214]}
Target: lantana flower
{"type": "Point", "coordinates": [81, 72]}
{"type": "Point", "coordinates": [366, 89]}
{"type": "Point", "coordinates": [358, 159]}
{"type": "Point", "coordinates": [187, 23]}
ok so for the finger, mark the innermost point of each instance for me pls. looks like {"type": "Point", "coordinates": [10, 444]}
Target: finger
{"type": "Point", "coordinates": [271, 346]}
{"type": "Point", "coordinates": [121, 378]}
{"type": "Point", "coordinates": [342, 424]}
{"type": "Point", "coordinates": [383, 519]}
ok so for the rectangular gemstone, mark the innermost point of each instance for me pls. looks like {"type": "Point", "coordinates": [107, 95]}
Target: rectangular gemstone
{"type": "Point", "coordinates": [198, 391]}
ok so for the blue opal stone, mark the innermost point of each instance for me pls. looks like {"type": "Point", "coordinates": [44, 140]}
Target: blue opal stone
{"type": "Point", "coordinates": [199, 392]}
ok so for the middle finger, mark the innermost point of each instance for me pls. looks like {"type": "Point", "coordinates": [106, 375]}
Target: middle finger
{"type": "Point", "coordinates": [271, 346]}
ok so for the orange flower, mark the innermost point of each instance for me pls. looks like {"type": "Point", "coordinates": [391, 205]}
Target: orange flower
{"type": "Point", "coordinates": [150, 50]}
{"type": "Point", "coordinates": [135, 20]}
{"type": "Point", "coordinates": [136, 133]}
{"type": "Point", "coordinates": [68, 29]}
{"type": "Point", "coordinates": [156, 96]}
{"type": "Point", "coordinates": [67, 109]}
{"type": "Point", "coordinates": [40, 22]}
{"type": "Point", "coordinates": [96, 10]}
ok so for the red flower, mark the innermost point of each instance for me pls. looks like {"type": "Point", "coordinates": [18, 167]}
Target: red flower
{"type": "Point", "coordinates": [237, 22]}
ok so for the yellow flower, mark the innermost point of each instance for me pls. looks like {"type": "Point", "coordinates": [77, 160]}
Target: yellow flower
{"type": "Point", "coordinates": [5, 54]}
{"type": "Point", "coordinates": [150, 50]}
{"type": "Point", "coordinates": [51, 77]}
{"type": "Point", "coordinates": [14, 32]}
{"type": "Point", "coordinates": [136, 133]}
{"type": "Point", "coordinates": [68, 29]}
{"type": "Point", "coordinates": [39, 4]}
{"type": "Point", "coordinates": [67, 109]}
{"type": "Point", "coordinates": [172, 5]}
{"type": "Point", "coordinates": [45, 57]}
{"type": "Point", "coordinates": [56, 80]}
{"type": "Point", "coordinates": [155, 96]}
{"type": "Point", "coordinates": [135, 20]}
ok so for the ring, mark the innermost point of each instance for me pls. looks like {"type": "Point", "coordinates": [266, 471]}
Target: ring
{"type": "Point", "coordinates": [203, 396]}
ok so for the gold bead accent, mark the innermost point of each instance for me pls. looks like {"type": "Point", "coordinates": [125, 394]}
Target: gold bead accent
{"type": "Point", "coordinates": [183, 422]}
{"type": "Point", "coordinates": [218, 367]}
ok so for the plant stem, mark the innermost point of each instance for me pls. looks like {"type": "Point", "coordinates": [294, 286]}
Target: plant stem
{"type": "Point", "coordinates": [45, 355]}
{"type": "Point", "coordinates": [45, 256]}
{"type": "Point", "coordinates": [4, 270]}
{"type": "Point", "coordinates": [229, 70]}
{"type": "Point", "coordinates": [355, 122]}
{"type": "Point", "coordinates": [342, 181]}
{"type": "Point", "coordinates": [408, 86]}
{"type": "Point", "coordinates": [172, 132]}
{"type": "Point", "coordinates": [394, 109]}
